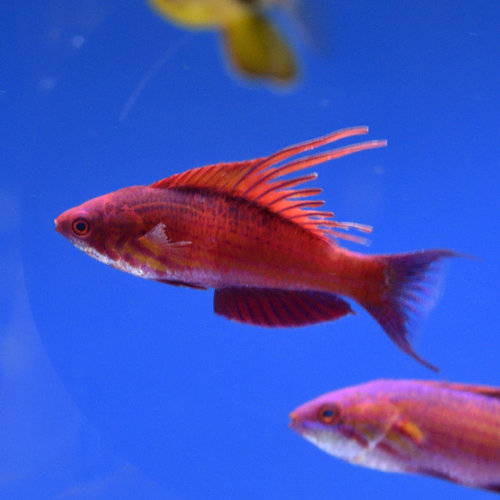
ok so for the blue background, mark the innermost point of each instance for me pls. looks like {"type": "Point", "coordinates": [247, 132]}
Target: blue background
{"type": "Point", "coordinates": [116, 387]}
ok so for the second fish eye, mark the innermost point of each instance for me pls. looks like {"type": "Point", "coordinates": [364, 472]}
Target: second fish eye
{"type": "Point", "coordinates": [81, 226]}
{"type": "Point", "coordinates": [329, 414]}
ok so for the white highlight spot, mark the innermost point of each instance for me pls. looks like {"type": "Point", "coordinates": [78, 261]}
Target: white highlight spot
{"type": "Point", "coordinates": [47, 83]}
{"type": "Point", "coordinates": [77, 41]}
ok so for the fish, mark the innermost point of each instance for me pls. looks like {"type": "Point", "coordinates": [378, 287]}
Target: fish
{"type": "Point", "coordinates": [259, 238]}
{"type": "Point", "coordinates": [440, 429]}
{"type": "Point", "coordinates": [255, 46]}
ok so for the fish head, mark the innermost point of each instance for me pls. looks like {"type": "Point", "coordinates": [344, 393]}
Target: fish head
{"type": "Point", "coordinates": [101, 226]}
{"type": "Point", "coordinates": [346, 423]}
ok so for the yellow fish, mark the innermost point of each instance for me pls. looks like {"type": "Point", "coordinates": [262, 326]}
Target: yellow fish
{"type": "Point", "coordinates": [255, 46]}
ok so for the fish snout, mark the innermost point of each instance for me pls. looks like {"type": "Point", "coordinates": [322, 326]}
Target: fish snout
{"type": "Point", "coordinates": [63, 224]}
{"type": "Point", "coordinates": [296, 422]}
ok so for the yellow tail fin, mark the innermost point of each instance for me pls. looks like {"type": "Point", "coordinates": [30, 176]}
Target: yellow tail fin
{"type": "Point", "coordinates": [257, 48]}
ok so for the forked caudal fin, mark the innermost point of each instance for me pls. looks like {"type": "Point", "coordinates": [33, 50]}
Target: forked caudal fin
{"type": "Point", "coordinates": [412, 287]}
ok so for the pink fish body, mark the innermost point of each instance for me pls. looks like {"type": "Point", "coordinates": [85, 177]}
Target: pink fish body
{"type": "Point", "coordinates": [441, 429]}
{"type": "Point", "coordinates": [259, 240]}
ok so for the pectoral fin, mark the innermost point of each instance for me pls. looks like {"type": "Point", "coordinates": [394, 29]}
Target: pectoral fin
{"type": "Point", "coordinates": [273, 307]}
{"type": "Point", "coordinates": [158, 241]}
{"type": "Point", "coordinates": [403, 436]}
{"type": "Point", "coordinates": [257, 48]}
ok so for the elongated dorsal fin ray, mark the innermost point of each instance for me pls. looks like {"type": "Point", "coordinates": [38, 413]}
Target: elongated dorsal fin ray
{"type": "Point", "coordinates": [260, 181]}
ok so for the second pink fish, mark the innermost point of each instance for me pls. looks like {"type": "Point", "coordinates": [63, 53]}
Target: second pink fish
{"type": "Point", "coordinates": [440, 429]}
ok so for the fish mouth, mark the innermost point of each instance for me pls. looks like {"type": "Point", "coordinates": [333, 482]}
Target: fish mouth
{"type": "Point", "coordinates": [296, 423]}
{"type": "Point", "coordinates": [57, 224]}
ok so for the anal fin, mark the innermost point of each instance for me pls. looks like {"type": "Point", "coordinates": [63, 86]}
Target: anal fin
{"type": "Point", "coordinates": [274, 307]}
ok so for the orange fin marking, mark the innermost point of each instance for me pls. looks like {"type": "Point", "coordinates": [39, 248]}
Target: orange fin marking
{"type": "Point", "coordinates": [259, 181]}
{"type": "Point", "coordinates": [409, 430]}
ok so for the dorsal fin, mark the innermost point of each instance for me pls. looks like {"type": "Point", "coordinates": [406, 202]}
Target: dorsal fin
{"type": "Point", "coordinates": [482, 390]}
{"type": "Point", "coordinates": [259, 181]}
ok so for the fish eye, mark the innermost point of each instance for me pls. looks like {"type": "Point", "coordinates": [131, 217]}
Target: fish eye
{"type": "Point", "coordinates": [81, 226]}
{"type": "Point", "coordinates": [329, 414]}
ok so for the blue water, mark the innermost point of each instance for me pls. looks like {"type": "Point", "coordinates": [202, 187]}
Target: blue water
{"type": "Point", "coordinates": [116, 387]}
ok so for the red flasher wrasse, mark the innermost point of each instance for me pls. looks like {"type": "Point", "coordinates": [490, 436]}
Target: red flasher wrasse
{"type": "Point", "coordinates": [440, 429]}
{"type": "Point", "coordinates": [260, 240]}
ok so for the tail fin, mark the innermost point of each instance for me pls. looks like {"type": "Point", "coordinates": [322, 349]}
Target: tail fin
{"type": "Point", "coordinates": [413, 283]}
{"type": "Point", "coordinates": [258, 49]}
